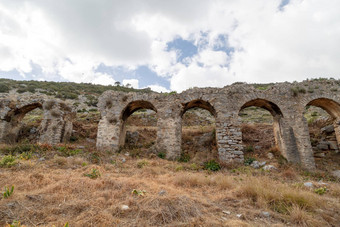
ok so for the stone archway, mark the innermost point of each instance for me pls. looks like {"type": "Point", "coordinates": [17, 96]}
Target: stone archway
{"type": "Point", "coordinates": [330, 141]}
{"type": "Point", "coordinates": [129, 110]}
{"type": "Point", "coordinates": [198, 131]}
{"type": "Point", "coordinates": [283, 133]}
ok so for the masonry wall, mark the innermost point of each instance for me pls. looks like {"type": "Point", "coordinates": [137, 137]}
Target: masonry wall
{"type": "Point", "coordinates": [285, 101]}
{"type": "Point", "coordinates": [56, 126]}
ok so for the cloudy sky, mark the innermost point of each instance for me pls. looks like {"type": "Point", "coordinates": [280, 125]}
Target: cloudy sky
{"type": "Point", "coordinates": [169, 44]}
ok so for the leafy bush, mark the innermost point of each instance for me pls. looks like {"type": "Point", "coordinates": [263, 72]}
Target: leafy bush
{"type": "Point", "coordinates": [4, 88]}
{"type": "Point", "coordinates": [212, 165]}
{"type": "Point", "coordinates": [320, 191]}
{"type": "Point", "coordinates": [8, 161]}
{"type": "Point", "coordinates": [184, 157]}
{"type": "Point", "coordinates": [249, 160]}
{"type": "Point", "coordinates": [93, 174]}
{"type": "Point", "coordinates": [249, 148]}
{"type": "Point", "coordinates": [26, 155]}
{"type": "Point", "coordinates": [161, 155]}
{"type": "Point", "coordinates": [142, 163]}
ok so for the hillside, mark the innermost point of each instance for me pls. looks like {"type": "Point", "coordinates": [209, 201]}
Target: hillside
{"type": "Point", "coordinates": [76, 184]}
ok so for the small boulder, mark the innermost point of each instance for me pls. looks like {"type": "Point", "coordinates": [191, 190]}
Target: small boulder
{"type": "Point", "coordinates": [226, 212]}
{"type": "Point", "coordinates": [255, 164]}
{"type": "Point", "coordinates": [336, 173]}
{"type": "Point", "coordinates": [269, 167]}
{"type": "Point", "coordinates": [265, 214]}
{"type": "Point", "coordinates": [124, 207]}
{"type": "Point", "coordinates": [327, 129]}
{"type": "Point", "coordinates": [308, 184]}
{"type": "Point", "coordinates": [270, 155]}
{"type": "Point", "coordinates": [162, 192]}
{"type": "Point", "coordinates": [262, 163]}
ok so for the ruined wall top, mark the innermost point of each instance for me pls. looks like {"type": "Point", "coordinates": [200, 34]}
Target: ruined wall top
{"type": "Point", "coordinates": [288, 97]}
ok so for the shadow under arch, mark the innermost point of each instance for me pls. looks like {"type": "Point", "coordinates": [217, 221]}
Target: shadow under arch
{"type": "Point", "coordinates": [200, 104]}
{"type": "Point", "coordinates": [265, 104]}
{"type": "Point", "coordinates": [128, 111]}
{"type": "Point", "coordinates": [329, 105]}
{"type": "Point", "coordinates": [284, 136]}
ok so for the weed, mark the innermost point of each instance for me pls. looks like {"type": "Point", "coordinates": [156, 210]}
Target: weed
{"type": "Point", "coordinates": [26, 155]}
{"type": "Point", "coordinates": [184, 157]}
{"type": "Point", "coordinates": [161, 155]}
{"type": "Point", "coordinates": [249, 160]}
{"type": "Point", "coordinates": [8, 192]}
{"type": "Point", "coordinates": [142, 163]}
{"type": "Point", "coordinates": [212, 165]}
{"type": "Point", "coordinates": [138, 192]}
{"type": "Point", "coordinates": [249, 148]}
{"type": "Point", "coordinates": [15, 224]}
{"type": "Point", "coordinates": [320, 191]}
{"type": "Point", "coordinates": [8, 161]}
{"type": "Point", "coordinates": [84, 164]}
{"type": "Point", "coordinates": [68, 151]}
{"type": "Point", "coordinates": [93, 175]}
{"type": "Point", "coordinates": [179, 168]}
{"type": "Point", "coordinates": [194, 166]}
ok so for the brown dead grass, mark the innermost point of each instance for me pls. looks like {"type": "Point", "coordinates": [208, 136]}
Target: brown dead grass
{"type": "Point", "coordinates": [55, 191]}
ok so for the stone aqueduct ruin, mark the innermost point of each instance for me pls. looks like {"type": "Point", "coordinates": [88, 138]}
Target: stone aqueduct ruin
{"type": "Point", "coordinates": [285, 101]}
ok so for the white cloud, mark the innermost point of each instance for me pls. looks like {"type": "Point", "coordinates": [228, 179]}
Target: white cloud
{"type": "Point", "coordinates": [133, 83]}
{"type": "Point", "coordinates": [158, 88]}
{"type": "Point", "coordinates": [72, 38]}
{"type": "Point", "coordinates": [103, 79]}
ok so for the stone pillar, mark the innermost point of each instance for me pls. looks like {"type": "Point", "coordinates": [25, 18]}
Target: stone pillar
{"type": "Point", "coordinates": [56, 126]}
{"type": "Point", "coordinates": [109, 134]}
{"type": "Point", "coordinates": [229, 138]}
{"type": "Point", "coordinates": [336, 125]}
{"type": "Point", "coordinates": [301, 132]}
{"type": "Point", "coordinates": [169, 134]}
{"type": "Point", "coordinates": [285, 139]}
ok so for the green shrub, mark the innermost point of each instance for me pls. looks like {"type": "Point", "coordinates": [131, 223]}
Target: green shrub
{"type": "Point", "coordinates": [212, 165]}
{"type": "Point", "coordinates": [141, 164]}
{"type": "Point", "coordinates": [249, 160]}
{"type": "Point", "coordinates": [161, 155]}
{"type": "Point", "coordinates": [26, 155]}
{"type": "Point", "coordinates": [185, 157]}
{"type": "Point", "coordinates": [8, 161]}
{"type": "Point", "coordinates": [4, 88]}
{"type": "Point", "coordinates": [93, 174]}
{"type": "Point", "coordinates": [249, 148]}
{"type": "Point", "coordinates": [320, 191]}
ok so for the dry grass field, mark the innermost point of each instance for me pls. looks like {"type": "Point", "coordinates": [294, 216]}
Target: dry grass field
{"type": "Point", "coordinates": [65, 184]}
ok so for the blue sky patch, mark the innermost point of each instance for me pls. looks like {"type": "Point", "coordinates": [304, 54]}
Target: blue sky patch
{"type": "Point", "coordinates": [283, 4]}
{"type": "Point", "coordinates": [185, 48]}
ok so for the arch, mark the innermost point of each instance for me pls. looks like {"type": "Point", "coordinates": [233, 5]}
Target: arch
{"type": "Point", "coordinates": [134, 106]}
{"type": "Point", "coordinates": [329, 105]}
{"type": "Point", "coordinates": [322, 144]}
{"type": "Point", "coordinates": [198, 103]}
{"type": "Point", "coordinates": [127, 112]}
{"type": "Point", "coordinates": [282, 132]}
{"type": "Point", "coordinates": [197, 128]}
{"type": "Point", "coordinates": [14, 118]}
{"type": "Point", "coordinates": [19, 113]}
{"type": "Point", "coordinates": [265, 104]}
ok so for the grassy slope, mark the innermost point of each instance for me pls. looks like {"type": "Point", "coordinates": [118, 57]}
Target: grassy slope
{"type": "Point", "coordinates": [55, 191]}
